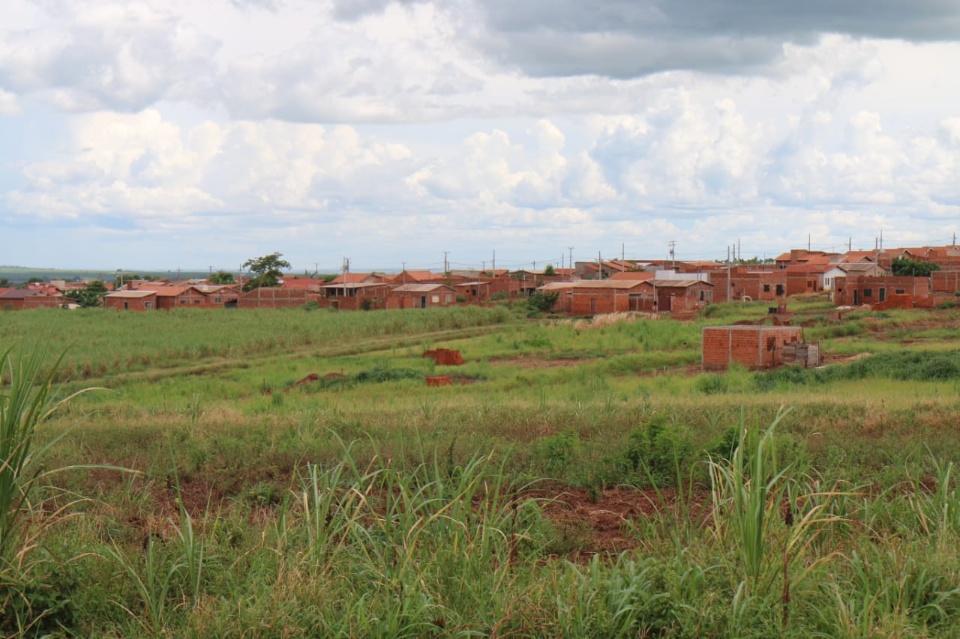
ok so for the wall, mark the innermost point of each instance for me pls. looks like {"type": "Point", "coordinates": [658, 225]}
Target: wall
{"type": "Point", "coordinates": [587, 301]}
{"type": "Point", "coordinates": [756, 347]}
{"type": "Point", "coordinates": [274, 298]}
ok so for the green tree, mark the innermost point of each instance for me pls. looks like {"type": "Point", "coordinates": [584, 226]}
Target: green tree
{"type": "Point", "coordinates": [221, 277]}
{"type": "Point", "coordinates": [266, 270]}
{"type": "Point", "coordinates": [549, 271]}
{"type": "Point", "coordinates": [542, 301]}
{"type": "Point", "coordinates": [90, 295]}
{"type": "Point", "coordinates": [904, 266]}
{"type": "Point", "coordinates": [5, 283]}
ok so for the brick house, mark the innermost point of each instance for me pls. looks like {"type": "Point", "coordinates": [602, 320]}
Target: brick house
{"type": "Point", "coordinates": [416, 277]}
{"type": "Point", "coordinates": [19, 299]}
{"type": "Point", "coordinates": [870, 269]}
{"type": "Point", "coordinates": [883, 292]}
{"type": "Point", "coordinates": [594, 297]}
{"type": "Point", "coordinates": [474, 291]}
{"type": "Point", "coordinates": [194, 295]}
{"type": "Point", "coordinates": [131, 300]}
{"type": "Point", "coordinates": [807, 276]}
{"type": "Point", "coordinates": [748, 283]}
{"type": "Point", "coordinates": [681, 295]}
{"type": "Point", "coordinates": [421, 296]}
{"type": "Point", "coordinates": [756, 347]}
{"type": "Point", "coordinates": [354, 296]}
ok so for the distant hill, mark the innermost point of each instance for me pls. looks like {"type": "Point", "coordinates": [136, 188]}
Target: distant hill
{"type": "Point", "coordinates": [20, 274]}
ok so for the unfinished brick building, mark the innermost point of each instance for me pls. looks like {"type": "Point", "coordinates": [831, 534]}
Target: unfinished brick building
{"type": "Point", "coordinates": [756, 347]}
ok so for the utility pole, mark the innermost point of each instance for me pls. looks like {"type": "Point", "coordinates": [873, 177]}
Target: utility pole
{"type": "Point", "coordinates": [672, 244]}
{"type": "Point", "coordinates": [599, 266]}
{"type": "Point", "coordinates": [345, 268]}
{"type": "Point", "coordinates": [493, 267]}
{"type": "Point", "coordinates": [729, 275]}
{"type": "Point", "coordinates": [570, 263]}
{"type": "Point", "coordinates": [849, 244]}
{"type": "Point", "coordinates": [446, 264]}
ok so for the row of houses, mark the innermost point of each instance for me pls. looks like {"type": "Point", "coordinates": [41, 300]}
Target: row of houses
{"type": "Point", "coordinates": [589, 288]}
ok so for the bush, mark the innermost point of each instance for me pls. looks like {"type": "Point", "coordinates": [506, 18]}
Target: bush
{"type": "Point", "coordinates": [659, 451]}
{"type": "Point", "coordinates": [711, 384]}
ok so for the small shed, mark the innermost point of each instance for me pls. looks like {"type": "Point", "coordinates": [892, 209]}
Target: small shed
{"type": "Point", "coordinates": [756, 347]}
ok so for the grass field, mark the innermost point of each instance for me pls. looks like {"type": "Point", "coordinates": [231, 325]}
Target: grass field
{"type": "Point", "coordinates": [289, 473]}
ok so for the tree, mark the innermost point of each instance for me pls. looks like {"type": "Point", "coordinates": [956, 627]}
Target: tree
{"type": "Point", "coordinates": [904, 266]}
{"type": "Point", "coordinates": [549, 271]}
{"type": "Point", "coordinates": [221, 277]}
{"type": "Point", "coordinates": [267, 270]}
{"type": "Point", "coordinates": [90, 295]}
{"type": "Point", "coordinates": [5, 283]}
{"type": "Point", "coordinates": [542, 301]}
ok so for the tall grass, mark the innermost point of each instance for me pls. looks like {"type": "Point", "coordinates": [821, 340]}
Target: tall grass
{"type": "Point", "coordinates": [25, 403]}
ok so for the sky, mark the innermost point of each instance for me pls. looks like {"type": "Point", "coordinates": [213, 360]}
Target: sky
{"type": "Point", "coordinates": [164, 134]}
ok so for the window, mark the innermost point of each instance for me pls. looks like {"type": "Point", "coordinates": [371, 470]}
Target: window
{"type": "Point", "coordinates": [216, 300]}
{"type": "Point", "coordinates": [148, 305]}
{"type": "Point", "coordinates": [126, 306]}
{"type": "Point", "coordinates": [883, 295]}
{"type": "Point", "coordinates": [183, 300]}
{"type": "Point", "coordinates": [868, 292]}
{"type": "Point", "coordinates": [434, 299]}
{"type": "Point", "coordinates": [766, 288]}
{"type": "Point", "coordinates": [900, 291]}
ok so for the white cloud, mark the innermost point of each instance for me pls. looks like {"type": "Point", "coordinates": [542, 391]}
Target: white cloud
{"type": "Point", "coordinates": [9, 103]}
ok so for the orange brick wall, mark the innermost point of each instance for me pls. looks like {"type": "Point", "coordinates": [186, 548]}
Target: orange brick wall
{"type": "Point", "coordinates": [755, 347]}
{"type": "Point", "coordinates": [597, 301]}
{"type": "Point", "coordinates": [945, 281]}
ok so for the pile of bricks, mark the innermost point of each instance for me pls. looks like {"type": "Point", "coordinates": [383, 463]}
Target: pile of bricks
{"type": "Point", "coordinates": [445, 357]}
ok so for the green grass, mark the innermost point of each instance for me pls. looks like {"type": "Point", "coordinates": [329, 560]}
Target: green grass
{"type": "Point", "coordinates": [372, 505]}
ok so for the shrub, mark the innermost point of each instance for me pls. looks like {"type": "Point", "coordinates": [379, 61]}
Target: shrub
{"type": "Point", "coordinates": [659, 451]}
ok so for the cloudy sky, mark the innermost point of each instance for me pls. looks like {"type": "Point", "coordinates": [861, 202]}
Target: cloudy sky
{"type": "Point", "coordinates": [162, 134]}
